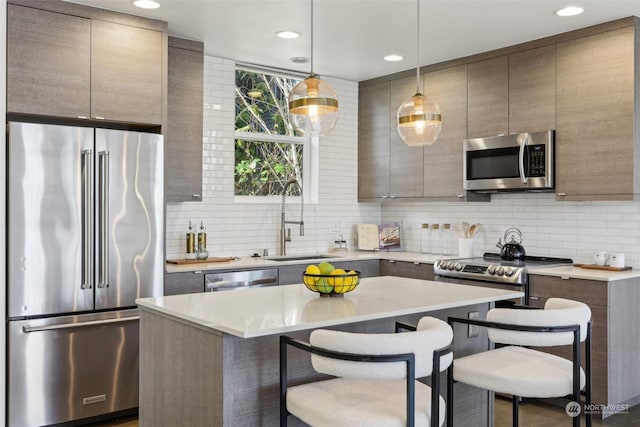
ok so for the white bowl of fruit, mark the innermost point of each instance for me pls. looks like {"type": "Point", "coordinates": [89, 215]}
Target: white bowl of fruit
{"type": "Point", "coordinates": [327, 280]}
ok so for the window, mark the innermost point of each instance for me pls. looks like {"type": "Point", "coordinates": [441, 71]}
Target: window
{"type": "Point", "coordinates": [268, 153]}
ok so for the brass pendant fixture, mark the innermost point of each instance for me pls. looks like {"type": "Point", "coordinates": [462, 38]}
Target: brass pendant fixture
{"type": "Point", "coordinates": [419, 119]}
{"type": "Point", "coordinates": [313, 103]}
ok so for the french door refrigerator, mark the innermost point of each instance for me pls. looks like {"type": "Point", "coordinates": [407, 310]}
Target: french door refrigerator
{"type": "Point", "coordinates": [85, 239]}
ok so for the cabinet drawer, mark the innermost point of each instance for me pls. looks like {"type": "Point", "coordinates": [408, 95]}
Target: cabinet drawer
{"type": "Point", "coordinates": [183, 283]}
{"type": "Point", "coordinates": [590, 292]}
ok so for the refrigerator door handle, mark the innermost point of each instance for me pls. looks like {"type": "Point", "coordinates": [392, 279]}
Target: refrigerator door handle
{"type": "Point", "coordinates": [103, 268]}
{"type": "Point", "coordinates": [28, 329]}
{"type": "Point", "coordinates": [87, 219]}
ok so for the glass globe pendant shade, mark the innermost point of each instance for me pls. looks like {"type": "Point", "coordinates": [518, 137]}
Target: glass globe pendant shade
{"type": "Point", "coordinates": [313, 106]}
{"type": "Point", "coordinates": [419, 121]}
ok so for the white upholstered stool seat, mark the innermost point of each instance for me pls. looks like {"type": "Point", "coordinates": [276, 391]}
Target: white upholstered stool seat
{"type": "Point", "coordinates": [514, 368]}
{"type": "Point", "coordinates": [359, 403]}
{"type": "Point", "coordinates": [372, 377]}
{"type": "Point", "coordinates": [518, 371]}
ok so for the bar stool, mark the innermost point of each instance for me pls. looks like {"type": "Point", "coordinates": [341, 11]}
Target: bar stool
{"type": "Point", "coordinates": [520, 371]}
{"type": "Point", "coordinates": [372, 377]}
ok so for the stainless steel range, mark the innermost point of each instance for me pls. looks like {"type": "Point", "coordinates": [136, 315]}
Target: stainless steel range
{"type": "Point", "coordinates": [492, 271]}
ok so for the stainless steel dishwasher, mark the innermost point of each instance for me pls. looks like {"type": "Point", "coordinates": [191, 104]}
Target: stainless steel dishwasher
{"type": "Point", "coordinates": [241, 279]}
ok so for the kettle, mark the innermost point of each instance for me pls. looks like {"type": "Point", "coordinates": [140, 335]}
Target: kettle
{"type": "Point", "coordinates": [512, 250]}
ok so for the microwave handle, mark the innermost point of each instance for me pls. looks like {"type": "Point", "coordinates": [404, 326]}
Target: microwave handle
{"type": "Point", "coordinates": [523, 175]}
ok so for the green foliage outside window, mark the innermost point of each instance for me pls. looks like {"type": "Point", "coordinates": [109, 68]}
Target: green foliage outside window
{"type": "Point", "coordinates": [263, 167]}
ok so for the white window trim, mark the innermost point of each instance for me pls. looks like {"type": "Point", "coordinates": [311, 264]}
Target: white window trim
{"type": "Point", "coordinates": [310, 166]}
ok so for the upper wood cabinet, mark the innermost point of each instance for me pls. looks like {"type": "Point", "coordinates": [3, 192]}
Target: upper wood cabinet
{"type": "Point", "coordinates": [596, 142]}
{"type": "Point", "coordinates": [373, 141]}
{"type": "Point", "coordinates": [405, 162]}
{"type": "Point", "coordinates": [532, 90]}
{"type": "Point", "coordinates": [126, 73]}
{"type": "Point", "coordinates": [183, 136]}
{"type": "Point", "coordinates": [443, 159]}
{"type": "Point", "coordinates": [63, 62]}
{"type": "Point", "coordinates": [48, 63]}
{"type": "Point", "coordinates": [488, 97]}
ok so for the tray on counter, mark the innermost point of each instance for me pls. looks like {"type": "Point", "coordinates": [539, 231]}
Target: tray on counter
{"type": "Point", "coordinates": [602, 267]}
{"type": "Point", "coordinates": [200, 261]}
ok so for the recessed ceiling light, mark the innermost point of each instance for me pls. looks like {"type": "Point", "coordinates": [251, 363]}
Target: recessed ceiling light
{"type": "Point", "coordinates": [288, 34]}
{"type": "Point", "coordinates": [393, 58]}
{"type": "Point", "coordinates": [570, 11]}
{"type": "Point", "coordinates": [146, 4]}
{"type": "Point", "coordinates": [299, 59]}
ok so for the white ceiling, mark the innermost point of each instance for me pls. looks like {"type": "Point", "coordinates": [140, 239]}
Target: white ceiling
{"type": "Point", "coordinates": [352, 36]}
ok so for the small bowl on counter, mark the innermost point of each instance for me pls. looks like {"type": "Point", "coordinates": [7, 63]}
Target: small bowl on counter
{"type": "Point", "coordinates": [331, 285]}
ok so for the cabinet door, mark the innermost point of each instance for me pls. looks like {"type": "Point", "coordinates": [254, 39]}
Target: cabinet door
{"type": "Point", "coordinates": [183, 283]}
{"type": "Point", "coordinates": [411, 270]}
{"type": "Point", "coordinates": [488, 97]}
{"type": "Point", "coordinates": [405, 163]}
{"type": "Point", "coordinates": [594, 294]}
{"type": "Point", "coordinates": [532, 90]}
{"type": "Point", "coordinates": [595, 116]}
{"type": "Point", "coordinates": [126, 73]}
{"type": "Point", "coordinates": [373, 141]}
{"type": "Point", "coordinates": [443, 160]}
{"type": "Point", "coordinates": [183, 136]}
{"type": "Point", "coordinates": [48, 63]}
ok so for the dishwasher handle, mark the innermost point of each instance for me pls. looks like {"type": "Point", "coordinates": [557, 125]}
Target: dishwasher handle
{"type": "Point", "coordinates": [240, 280]}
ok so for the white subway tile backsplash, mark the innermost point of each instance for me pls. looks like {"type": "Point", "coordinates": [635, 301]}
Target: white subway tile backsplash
{"type": "Point", "coordinates": [568, 229]}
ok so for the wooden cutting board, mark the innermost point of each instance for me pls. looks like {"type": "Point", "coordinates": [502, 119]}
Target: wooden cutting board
{"type": "Point", "coordinates": [602, 267]}
{"type": "Point", "coordinates": [200, 261]}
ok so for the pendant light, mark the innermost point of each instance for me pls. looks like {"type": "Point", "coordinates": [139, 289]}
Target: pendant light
{"type": "Point", "coordinates": [419, 119]}
{"type": "Point", "coordinates": [313, 103]}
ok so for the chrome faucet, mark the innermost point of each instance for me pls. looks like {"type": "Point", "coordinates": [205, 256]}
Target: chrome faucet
{"type": "Point", "coordinates": [285, 233]}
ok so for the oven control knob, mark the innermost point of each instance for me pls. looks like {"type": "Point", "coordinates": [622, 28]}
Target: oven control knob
{"type": "Point", "coordinates": [500, 271]}
{"type": "Point", "coordinates": [491, 269]}
{"type": "Point", "coordinates": [509, 271]}
{"type": "Point", "coordinates": [457, 266]}
{"type": "Point", "coordinates": [450, 265]}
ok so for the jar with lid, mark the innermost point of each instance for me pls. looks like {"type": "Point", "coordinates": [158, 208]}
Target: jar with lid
{"type": "Point", "coordinates": [425, 239]}
{"type": "Point", "coordinates": [436, 239]}
{"type": "Point", "coordinates": [447, 240]}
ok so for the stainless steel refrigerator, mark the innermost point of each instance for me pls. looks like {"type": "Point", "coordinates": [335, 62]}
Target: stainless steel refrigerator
{"type": "Point", "coordinates": [85, 239]}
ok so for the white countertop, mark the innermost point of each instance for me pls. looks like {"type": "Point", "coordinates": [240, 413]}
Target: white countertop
{"type": "Point", "coordinates": [275, 310]}
{"type": "Point", "coordinates": [572, 272]}
{"type": "Point", "coordinates": [335, 256]}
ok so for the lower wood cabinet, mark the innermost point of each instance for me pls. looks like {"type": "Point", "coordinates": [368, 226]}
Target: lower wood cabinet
{"type": "Point", "coordinates": [188, 282]}
{"type": "Point", "coordinates": [615, 331]}
{"type": "Point", "coordinates": [411, 270]}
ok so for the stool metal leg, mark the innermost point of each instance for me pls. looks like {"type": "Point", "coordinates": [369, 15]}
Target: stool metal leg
{"type": "Point", "coordinates": [515, 410]}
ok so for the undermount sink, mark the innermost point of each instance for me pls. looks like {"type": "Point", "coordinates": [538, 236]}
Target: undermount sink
{"type": "Point", "coordinates": [298, 257]}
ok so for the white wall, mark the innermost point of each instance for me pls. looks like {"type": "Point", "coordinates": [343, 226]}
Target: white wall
{"type": "Point", "coordinates": [243, 228]}
{"type": "Point", "coordinates": [567, 229]}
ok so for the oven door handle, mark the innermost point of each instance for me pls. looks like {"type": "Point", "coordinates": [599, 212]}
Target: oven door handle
{"type": "Point", "coordinates": [521, 154]}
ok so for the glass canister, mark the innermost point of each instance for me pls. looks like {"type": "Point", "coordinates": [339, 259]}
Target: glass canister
{"type": "Point", "coordinates": [425, 239]}
{"type": "Point", "coordinates": [436, 239]}
{"type": "Point", "coordinates": [447, 240]}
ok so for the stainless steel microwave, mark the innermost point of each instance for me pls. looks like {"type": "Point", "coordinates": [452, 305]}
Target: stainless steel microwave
{"type": "Point", "coordinates": [520, 161]}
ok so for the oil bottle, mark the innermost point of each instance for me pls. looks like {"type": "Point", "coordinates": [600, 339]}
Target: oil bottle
{"type": "Point", "coordinates": [202, 236]}
{"type": "Point", "coordinates": [191, 243]}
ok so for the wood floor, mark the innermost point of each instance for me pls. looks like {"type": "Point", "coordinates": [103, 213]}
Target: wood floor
{"type": "Point", "coordinates": [531, 415]}
{"type": "Point", "coordinates": [544, 415]}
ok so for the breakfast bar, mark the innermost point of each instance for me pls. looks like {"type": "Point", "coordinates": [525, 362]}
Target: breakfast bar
{"type": "Point", "coordinates": [211, 359]}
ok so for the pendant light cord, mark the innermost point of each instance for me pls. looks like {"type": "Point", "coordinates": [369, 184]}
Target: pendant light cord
{"type": "Point", "coordinates": [417, 48]}
{"type": "Point", "coordinates": [312, 37]}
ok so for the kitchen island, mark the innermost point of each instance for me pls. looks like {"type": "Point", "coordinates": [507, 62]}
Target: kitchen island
{"type": "Point", "coordinates": [211, 359]}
